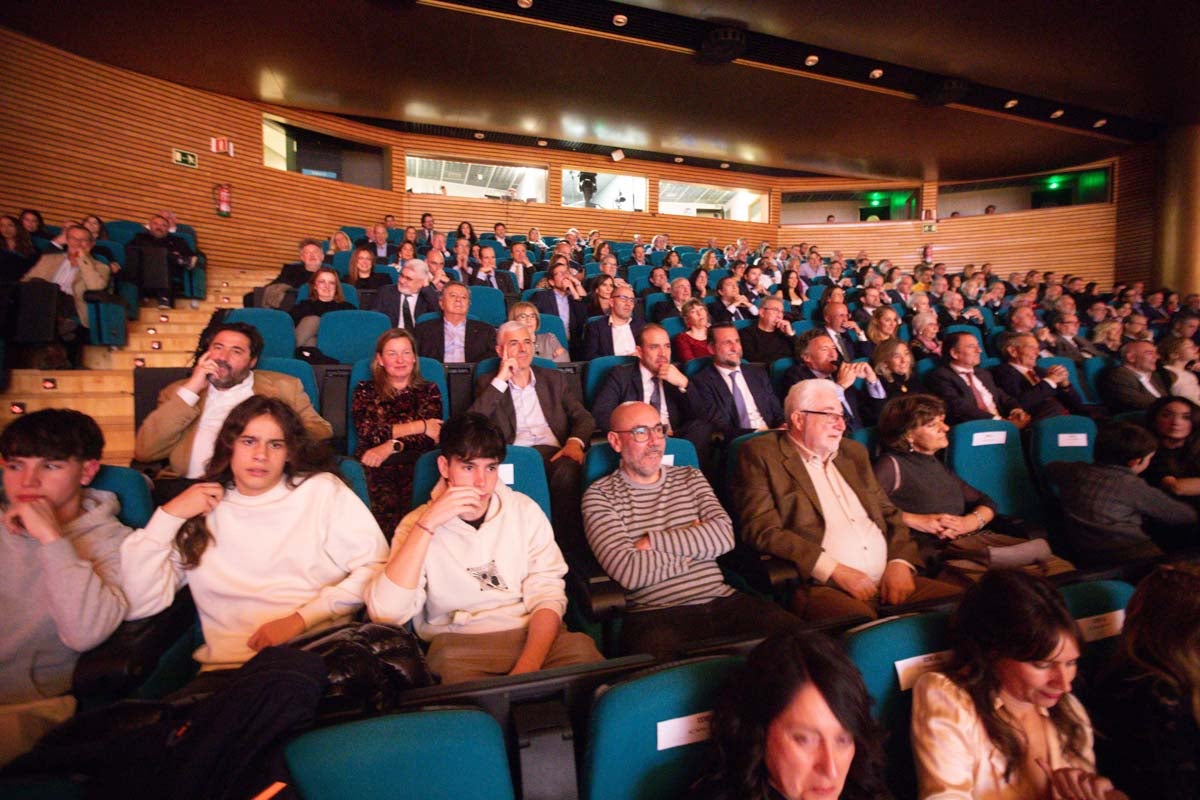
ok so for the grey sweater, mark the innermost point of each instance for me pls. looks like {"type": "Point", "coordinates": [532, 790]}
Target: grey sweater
{"type": "Point", "coordinates": [58, 600]}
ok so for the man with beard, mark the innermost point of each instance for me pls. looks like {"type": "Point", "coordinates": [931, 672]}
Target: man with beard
{"type": "Point", "coordinates": [184, 426]}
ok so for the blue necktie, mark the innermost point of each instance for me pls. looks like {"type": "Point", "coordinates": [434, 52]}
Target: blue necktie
{"type": "Point", "coordinates": [656, 394]}
{"type": "Point", "coordinates": [739, 402]}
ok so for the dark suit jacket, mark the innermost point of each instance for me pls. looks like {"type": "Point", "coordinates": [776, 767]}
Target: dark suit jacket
{"type": "Point", "coordinates": [895, 297]}
{"type": "Point", "coordinates": [519, 277]}
{"type": "Point", "coordinates": [598, 339]}
{"type": "Point", "coordinates": [722, 316]}
{"type": "Point", "coordinates": [624, 384]}
{"type": "Point", "coordinates": [387, 301]}
{"type": "Point", "coordinates": [764, 346]}
{"type": "Point", "coordinates": [392, 250]}
{"type": "Point", "coordinates": [564, 413]}
{"type": "Point", "coordinates": [480, 340]}
{"type": "Point", "coordinates": [546, 304]}
{"type": "Point", "coordinates": [1122, 391]}
{"type": "Point", "coordinates": [1074, 349]}
{"type": "Point", "coordinates": [465, 274]}
{"type": "Point", "coordinates": [864, 408]}
{"type": "Point", "coordinates": [1041, 400]}
{"type": "Point", "coordinates": [664, 310]}
{"type": "Point", "coordinates": [505, 281]}
{"type": "Point", "coordinates": [711, 400]}
{"type": "Point", "coordinates": [960, 401]}
{"type": "Point", "coordinates": [781, 514]}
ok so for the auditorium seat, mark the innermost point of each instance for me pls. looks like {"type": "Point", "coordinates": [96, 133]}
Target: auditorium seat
{"type": "Point", "coordinates": [132, 489]}
{"type": "Point", "coordinates": [552, 323]}
{"type": "Point", "coordinates": [638, 745]}
{"type": "Point", "coordinates": [438, 754]}
{"type": "Point", "coordinates": [986, 453]}
{"type": "Point", "coordinates": [348, 336]}
{"type": "Point", "coordinates": [673, 326]}
{"type": "Point", "coordinates": [487, 304]}
{"type": "Point", "coordinates": [1064, 438]}
{"type": "Point", "coordinates": [492, 364]}
{"type": "Point", "coordinates": [341, 262]}
{"type": "Point", "coordinates": [431, 370]}
{"type": "Point", "coordinates": [527, 475]}
{"type": "Point", "coordinates": [278, 332]}
{"type": "Point", "coordinates": [298, 369]}
{"type": "Point", "coordinates": [596, 371]}
{"type": "Point", "coordinates": [1092, 367]}
{"type": "Point", "coordinates": [1046, 362]}
{"type": "Point", "coordinates": [348, 292]}
{"type": "Point", "coordinates": [352, 471]}
{"type": "Point", "coordinates": [1099, 608]}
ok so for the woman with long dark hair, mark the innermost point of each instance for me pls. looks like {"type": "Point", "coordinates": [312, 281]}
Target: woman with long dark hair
{"type": "Point", "coordinates": [397, 416]}
{"type": "Point", "coordinates": [794, 723]}
{"type": "Point", "coordinates": [1148, 706]}
{"type": "Point", "coordinates": [17, 253]}
{"type": "Point", "coordinates": [324, 295]}
{"type": "Point", "coordinates": [271, 541]}
{"type": "Point", "coordinates": [1000, 721]}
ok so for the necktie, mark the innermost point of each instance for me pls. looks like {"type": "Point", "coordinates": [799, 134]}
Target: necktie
{"type": "Point", "coordinates": [1032, 378]}
{"type": "Point", "coordinates": [656, 393]}
{"type": "Point", "coordinates": [739, 402]}
{"type": "Point", "coordinates": [406, 316]}
{"type": "Point", "coordinates": [979, 403]}
{"type": "Point", "coordinates": [841, 347]}
{"type": "Point", "coordinates": [492, 280]}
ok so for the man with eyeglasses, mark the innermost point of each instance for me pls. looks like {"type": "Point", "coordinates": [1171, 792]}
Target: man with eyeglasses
{"type": "Point", "coordinates": [410, 297]}
{"type": "Point", "coordinates": [616, 334]}
{"type": "Point", "coordinates": [453, 338]}
{"type": "Point", "coordinates": [657, 529]}
{"type": "Point", "coordinates": [533, 407]}
{"type": "Point", "coordinates": [808, 494]}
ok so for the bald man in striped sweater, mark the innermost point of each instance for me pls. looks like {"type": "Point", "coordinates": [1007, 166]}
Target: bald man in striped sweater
{"type": "Point", "coordinates": [657, 530]}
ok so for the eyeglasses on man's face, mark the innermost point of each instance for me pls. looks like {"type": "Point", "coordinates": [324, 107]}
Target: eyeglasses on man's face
{"type": "Point", "coordinates": [641, 433]}
{"type": "Point", "coordinates": [833, 416]}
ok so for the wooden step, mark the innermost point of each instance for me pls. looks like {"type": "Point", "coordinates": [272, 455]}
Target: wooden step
{"type": "Point", "coordinates": [166, 340]}
{"type": "Point", "coordinates": [112, 406]}
{"type": "Point", "coordinates": [103, 358]}
{"type": "Point", "coordinates": [188, 315]}
{"type": "Point", "coordinates": [168, 328]}
{"type": "Point", "coordinates": [79, 381]}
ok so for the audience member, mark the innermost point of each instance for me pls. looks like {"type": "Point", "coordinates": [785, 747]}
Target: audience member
{"type": "Point", "coordinates": [1107, 505]}
{"type": "Point", "coordinates": [488, 275]}
{"type": "Point", "coordinates": [1136, 382]}
{"type": "Point", "coordinates": [734, 398]}
{"type": "Point", "coordinates": [61, 587]}
{"type": "Point", "coordinates": [1000, 721]}
{"type": "Point", "coordinates": [292, 276]}
{"type": "Point", "coordinates": [1147, 708]}
{"type": "Point", "coordinates": [477, 569]}
{"type": "Point", "coordinates": [34, 224]}
{"type": "Point", "coordinates": [807, 494]}
{"type": "Point", "coordinates": [969, 390]}
{"type": "Point", "coordinates": [1067, 343]}
{"type": "Point", "coordinates": [362, 275]}
{"type": "Point", "coordinates": [731, 304]}
{"type": "Point", "coordinates": [426, 232]}
{"type": "Point", "coordinates": [453, 338]}
{"type": "Point", "coordinates": [692, 342]}
{"type": "Point", "coordinates": [839, 327]}
{"type": "Point", "coordinates": [818, 358]}
{"type": "Point", "coordinates": [546, 345]}
{"type": "Point", "coordinates": [770, 338]}
{"type": "Point", "coordinates": [925, 342]}
{"type": "Point", "coordinates": [521, 267]}
{"type": "Point", "coordinates": [1108, 336]}
{"type": "Point", "coordinates": [410, 297]}
{"type": "Point", "coordinates": [1136, 329]}
{"type": "Point", "coordinates": [1179, 354]}
{"type": "Point", "coordinates": [376, 242]}
{"type": "Point", "coordinates": [397, 415]}
{"type": "Point", "coordinates": [893, 363]}
{"type": "Point", "coordinates": [599, 298]}
{"type": "Point", "coordinates": [681, 292]}
{"type": "Point", "coordinates": [325, 295]}
{"type": "Point", "coordinates": [883, 325]}
{"type": "Point", "coordinates": [180, 256]}
{"type": "Point", "coordinates": [270, 489]}
{"type": "Point", "coordinates": [565, 299]}
{"type": "Point", "coordinates": [1175, 467]}
{"type": "Point", "coordinates": [75, 272]}
{"type": "Point", "coordinates": [17, 252]}
{"type": "Point", "coordinates": [338, 243]}
{"type": "Point", "coordinates": [1041, 393]}
{"type": "Point", "coordinates": [614, 334]}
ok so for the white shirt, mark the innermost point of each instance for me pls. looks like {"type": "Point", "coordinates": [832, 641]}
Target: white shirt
{"type": "Point", "coordinates": [648, 390]}
{"type": "Point", "coordinates": [216, 408]}
{"type": "Point", "coordinates": [1144, 380]}
{"type": "Point", "coordinates": [851, 537]}
{"type": "Point", "coordinates": [454, 342]}
{"type": "Point", "coordinates": [756, 418]}
{"type": "Point", "coordinates": [65, 276]}
{"type": "Point", "coordinates": [532, 428]}
{"type": "Point", "coordinates": [622, 336]}
{"type": "Point", "coordinates": [971, 379]}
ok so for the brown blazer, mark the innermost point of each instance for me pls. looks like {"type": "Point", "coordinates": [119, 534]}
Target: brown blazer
{"type": "Point", "coordinates": [565, 415]}
{"type": "Point", "coordinates": [169, 429]}
{"type": "Point", "coordinates": [778, 506]}
{"type": "Point", "coordinates": [92, 276]}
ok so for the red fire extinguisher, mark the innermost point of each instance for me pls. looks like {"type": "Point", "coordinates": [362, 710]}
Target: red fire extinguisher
{"type": "Point", "coordinates": [223, 197]}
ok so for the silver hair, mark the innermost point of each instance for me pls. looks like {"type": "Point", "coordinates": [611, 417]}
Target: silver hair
{"type": "Point", "coordinates": [803, 393]}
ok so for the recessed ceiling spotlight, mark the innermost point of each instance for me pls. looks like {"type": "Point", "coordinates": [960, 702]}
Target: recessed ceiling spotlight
{"type": "Point", "coordinates": [525, 3]}
{"type": "Point", "coordinates": [478, 134]}
{"type": "Point", "coordinates": [678, 159]}
{"type": "Point", "coordinates": [875, 74]}
{"type": "Point", "coordinates": [620, 20]}
{"type": "Point", "coordinates": [811, 61]}
{"type": "Point", "coordinates": [724, 165]}
{"type": "Point", "coordinates": [542, 143]}
{"type": "Point", "coordinates": [1058, 112]}
{"type": "Point", "coordinates": [1100, 123]}
{"type": "Point", "coordinates": [1011, 103]}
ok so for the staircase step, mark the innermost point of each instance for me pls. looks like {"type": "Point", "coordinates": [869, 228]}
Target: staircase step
{"type": "Point", "coordinates": [184, 314]}
{"type": "Point", "coordinates": [79, 381]}
{"type": "Point", "coordinates": [103, 358]}
{"type": "Point", "coordinates": [108, 407]}
{"type": "Point", "coordinates": [166, 340]}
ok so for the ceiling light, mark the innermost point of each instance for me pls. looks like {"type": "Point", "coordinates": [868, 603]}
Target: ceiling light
{"type": "Point", "coordinates": [1100, 123]}
{"type": "Point", "coordinates": [478, 134]}
{"type": "Point", "coordinates": [1056, 113]}
{"type": "Point", "coordinates": [542, 143]}
{"type": "Point", "coordinates": [811, 61]}
{"type": "Point", "coordinates": [525, 3]}
{"type": "Point", "coordinates": [620, 20]}
{"type": "Point", "coordinates": [1011, 103]}
{"type": "Point", "coordinates": [724, 165]}
{"type": "Point", "coordinates": [618, 155]}
{"type": "Point", "coordinates": [875, 74]}
{"type": "Point", "coordinates": [678, 159]}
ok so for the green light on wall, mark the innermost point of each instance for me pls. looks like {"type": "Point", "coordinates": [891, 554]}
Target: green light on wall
{"type": "Point", "coordinates": [1093, 179]}
{"type": "Point", "coordinates": [876, 203]}
{"type": "Point", "coordinates": [1052, 185]}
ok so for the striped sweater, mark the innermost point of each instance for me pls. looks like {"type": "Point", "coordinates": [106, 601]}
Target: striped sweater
{"type": "Point", "coordinates": [687, 528]}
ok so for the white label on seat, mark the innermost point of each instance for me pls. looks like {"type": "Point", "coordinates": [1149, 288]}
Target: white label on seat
{"type": "Point", "coordinates": [506, 474]}
{"type": "Point", "coordinates": [988, 437]}
{"type": "Point", "coordinates": [1072, 440]}
{"type": "Point", "coordinates": [1102, 626]}
{"type": "Point", "coordinates": [668, 459]}
{"type": "Point", "coordinates": [909, 669]}
{"type": "Point", "coordinates": [685, 730]}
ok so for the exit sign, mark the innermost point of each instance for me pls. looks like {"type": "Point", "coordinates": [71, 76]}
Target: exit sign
{"type": "Point", "coordinates": [184, 159]}
{"type": "Point", "coordinates": [928, 227]}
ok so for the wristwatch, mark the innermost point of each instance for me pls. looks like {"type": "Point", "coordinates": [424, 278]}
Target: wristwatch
{"type": "Point", "coordinates": [397, 445]}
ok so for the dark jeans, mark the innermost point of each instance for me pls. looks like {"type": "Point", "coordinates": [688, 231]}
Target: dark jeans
{"type": "Point", "coordinates": [664, 632]}
{"type": "Point", "coordinates": [564, 477]}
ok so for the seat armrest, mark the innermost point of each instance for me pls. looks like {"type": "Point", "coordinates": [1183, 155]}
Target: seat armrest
{"type": "Point", "coordinates": [599, 596]}
{"type": "Point", "coordinates": [764, 573]}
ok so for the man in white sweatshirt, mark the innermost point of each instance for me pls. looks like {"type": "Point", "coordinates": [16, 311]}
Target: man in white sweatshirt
{"type": "Point", "coordinates": [477, 570]}
{"type": "Point", "coordinates": [60, 586]}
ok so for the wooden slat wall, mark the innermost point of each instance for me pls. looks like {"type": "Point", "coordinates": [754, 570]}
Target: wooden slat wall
{"type": "Point", "coordinates": [1134, 194]}
{"type": "Point", "coordinates": [107, 150]}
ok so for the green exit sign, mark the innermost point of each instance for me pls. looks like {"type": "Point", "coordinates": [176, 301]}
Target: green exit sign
{"type": "Point", "coordinates": [184, 159]}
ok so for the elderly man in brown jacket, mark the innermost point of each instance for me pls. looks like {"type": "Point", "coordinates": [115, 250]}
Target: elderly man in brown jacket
{"type": "Point", "coordinates": [808, 495]}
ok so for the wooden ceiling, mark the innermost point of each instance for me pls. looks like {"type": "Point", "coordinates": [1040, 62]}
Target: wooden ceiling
{"type": "Point", "coordinates": [562, 72]}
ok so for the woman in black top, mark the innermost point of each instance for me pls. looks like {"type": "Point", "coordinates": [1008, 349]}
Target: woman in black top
{"type": "Point", "coordinates": [17, 253]}
{"type": "Point", "coordinates": [325, 295]}
{"type": "Point", "coordinates": [1175, 467]}
{"type": "Point", "coordinates": [893, 363]}
{"type": "Point", "coordinates": [363, 274]}
{"type": "Point", "coordinates": [466, 231]}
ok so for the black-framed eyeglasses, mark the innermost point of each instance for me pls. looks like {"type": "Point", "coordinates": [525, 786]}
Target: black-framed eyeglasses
{"type": "Point", "coordinates": [834, 414]}
{"type": "Point", "coordinates": [640, 433]}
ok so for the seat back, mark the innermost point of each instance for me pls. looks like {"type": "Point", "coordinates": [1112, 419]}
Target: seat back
{"type": "Point", "coordinates": [673, 326]}
{"type": "Point", "coordinates": [301, 370]}
{"type": "Point", "coordinates": [350, 335]}
{"type": "Point", "coordinates": [341, 262]}
{"type": "Point", "coordinates": [393, 755]}
{"type": "Point", "coordinates": [526, 474]}
{"type": "Point", "coordinates": [601, 459]}
{"type": "Point", "coordinates": [132, 489]}
{"type": "Point", "coordinates": [552, 323]}
{"type": "Point", "coordinates": [631, 753]}
{"type": "Point", "coordinates": [431, 370]}
{"type": "Point", "coordinates": [279, 335]}
{"type": "Point", "coordinates": [1065, 438]}
{"type": "Point", "coordinates": [595, 372]}
{"type": "Point", "coordinates": [653, 299]}
{"type": "Point", "coordinates": [487, 304]}
{"type": "Point", "coordinates": [868, 438]}
{"type": "Point", "coordinates": [971, 329]}
{"type": "Point", "coordinates": [1045, 362]}
{"type": "Point", "coordinates": [778, 369]}
{"type": "Point", "coordinates": [986, 453]}
{"type": "Point", "coordinates": [492, 364]}
{"type": "Point", "coordinates": [891, 654]}
{"type": "Point", "coordinates": [1092, 367]}
{"type": "Point", "coordinates": [1099, 608]}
